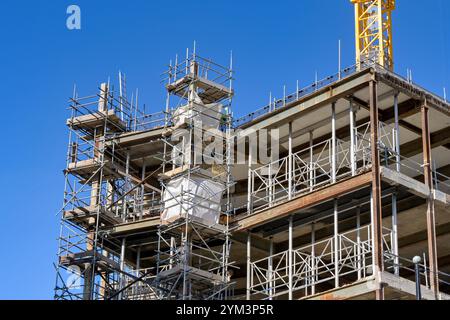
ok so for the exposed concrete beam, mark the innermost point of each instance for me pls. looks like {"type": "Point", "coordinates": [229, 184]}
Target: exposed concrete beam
{"type": "Point", "coordinates": [415, 187]}
{"type": "Point", "coordinates": [351, 291]}
{"type": "Point", "coordinates": [408, 286]}
{"type": "Point", "coordinates": [437, 139]}
{"type": "Point", "coordinates": [256, 242]}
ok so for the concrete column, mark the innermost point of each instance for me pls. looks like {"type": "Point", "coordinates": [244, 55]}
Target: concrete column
{"type": "Point", "coordinates": [103, 100]}
{"type": "Point", "coordinates": [89, 270]}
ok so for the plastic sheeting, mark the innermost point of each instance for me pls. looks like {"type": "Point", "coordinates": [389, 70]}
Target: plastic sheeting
{"type": "Point", "coordinates": [199, 198]}
{"type": "Point", "coordinates": [206, 116]}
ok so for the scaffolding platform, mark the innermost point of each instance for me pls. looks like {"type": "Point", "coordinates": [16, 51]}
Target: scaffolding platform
{"type": "Point", "coordinates": [194, 273]}
{"type": "Point", "coordinates": [206, 231]}
{"type": "Point", "coordinates": [210, 91]}
{"type": "Point", "coordinates": [86, 216]}
{"type": "Point", "coordinates": [84, 258]}
{"type": "Point", "coordinates": [91, 121]}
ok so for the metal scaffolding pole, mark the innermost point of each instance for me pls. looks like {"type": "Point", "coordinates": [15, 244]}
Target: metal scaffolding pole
{"type": "Point", "coordinates": [358, 241]}
{"type": "Point", "coordinates": [250, 184]}
{"type": "Point", "coordinates": [336, 244]}
{"type": "Point", "coordinates": [290, 262]}
{"type": "Point", "coordinates": [395, 234]}
{"type": "Point", "coordinates": [249, 259]}
{"type": "Point", "coordinates": [397, 134]}
{"type": "Point", "coordinates": [313, 258]}
{"type": "Point", "coordinates": [333, 142]}
{"type": "Point", "coordinates": [311, 161]}
{"type": "Point", "coordinates": [352, 139]}
{"type": "Point", "coordinates": [291, 160]}
{"type": "Point", "coordinates": [270, 269]}
{"type": "Point", "coordinates": [376, 188]}
{"type": "Point", "coordinates": [122, 266]}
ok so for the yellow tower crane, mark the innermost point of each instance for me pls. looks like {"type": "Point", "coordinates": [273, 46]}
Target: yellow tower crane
{"type": "Point", "coordinates": [373, 30]}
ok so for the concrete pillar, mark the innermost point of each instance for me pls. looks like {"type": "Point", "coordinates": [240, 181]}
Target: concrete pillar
{"type": "Point", "coordinates": [103, 100]}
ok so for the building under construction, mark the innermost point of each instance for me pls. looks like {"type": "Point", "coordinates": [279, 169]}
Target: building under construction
{"type": "Point", "coordinates": [356, 185]}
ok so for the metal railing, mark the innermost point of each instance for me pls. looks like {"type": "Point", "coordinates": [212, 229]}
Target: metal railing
{"type": "Point", "coordinates": [315, 264]}
{"type": "Point", "coordinates": [207, 69]}
{"type": "Point", "coordinates": [312, 168]}
{"type": "Point", "coordinates": [317, 85]}
{"type": "Point", "coordinates": [301, 93]}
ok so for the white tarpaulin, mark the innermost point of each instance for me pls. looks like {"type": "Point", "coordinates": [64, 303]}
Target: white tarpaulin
{"type": "Point", "coordinates": [196, 196]}
{"type": "Point", "coordinates": [208, 115]}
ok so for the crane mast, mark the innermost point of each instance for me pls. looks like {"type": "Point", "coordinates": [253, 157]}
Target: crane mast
{"type": "Point", "coordinates": [373, 32]}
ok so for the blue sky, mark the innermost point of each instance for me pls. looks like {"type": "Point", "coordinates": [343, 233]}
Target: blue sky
{"type": "Point", "coordinates": [273, 43]}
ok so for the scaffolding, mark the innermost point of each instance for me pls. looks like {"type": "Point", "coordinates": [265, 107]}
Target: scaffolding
{"type": "Point", "coordinates": [102, 189]}
{"type": "Point", "coordinates": [194, 236]}
{"type": "Point", "coordinates": [152, 202]}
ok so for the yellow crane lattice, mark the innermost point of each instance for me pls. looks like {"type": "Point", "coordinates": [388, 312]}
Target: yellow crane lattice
{"type": "Point", "coordinates": [373, 31]}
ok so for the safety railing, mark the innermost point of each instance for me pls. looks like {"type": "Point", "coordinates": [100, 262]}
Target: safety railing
{"type": "Point", "coordinates": [206, 69]}
{"type": "Point", "coordinates": [441, 182]}
{"type": "Point", "coordinates": [404, 267]}
{"type": "Point", "coordinates": [301, 93]}
{"type": "Point", "coordinates": [312, 168]}
{"type": "Point", "coordinates": [317, 85]}
{"type": "Point", "coordinates": [320, 262]}
{"type": "Point", "coordinates": [391, 158]}
{"type": "Point", "coordinates": [149, 121]}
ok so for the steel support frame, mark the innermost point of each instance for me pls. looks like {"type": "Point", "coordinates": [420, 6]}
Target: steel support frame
{"type": "Point", "coordinates": [376, 215]}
